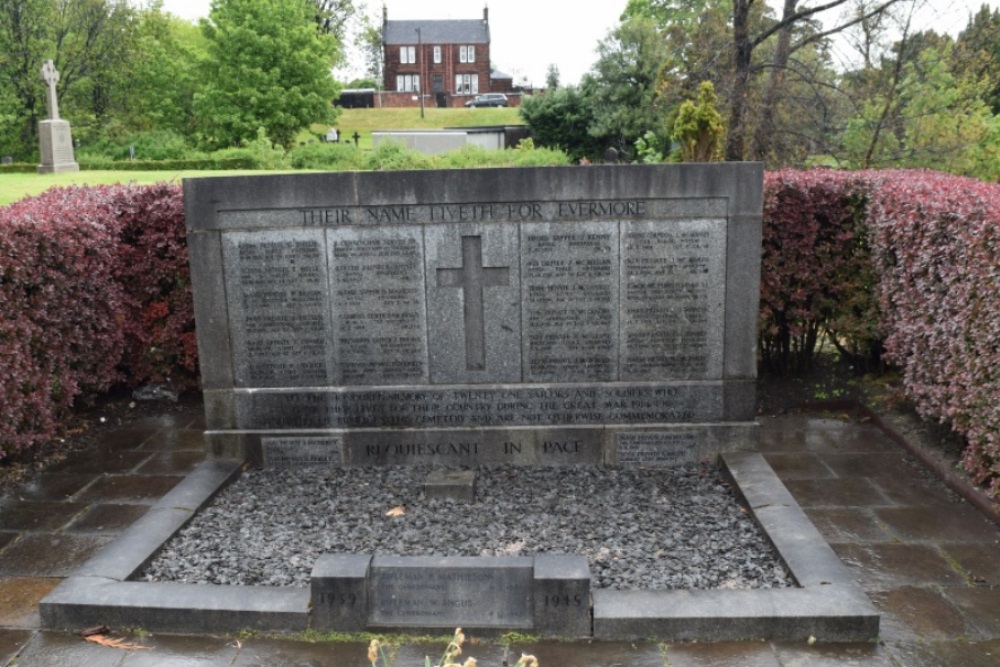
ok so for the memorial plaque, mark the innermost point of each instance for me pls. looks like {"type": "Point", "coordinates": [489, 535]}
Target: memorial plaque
{"type": "Point", "coordinates": [451, 592]}
{"type": "Point", "coordinates": [663, 449]}
{"type": "Point", "coordinates": [673, 282]}
{"type": "Point", "coordinates": [569, 301]}
{"type": "Point", "coordinates": [291, 452]}
{"type": "Point", "coordinates": [378, 302]}
{"type": "Point", "coordinates": [279, 308]}
{"type": "Point", "coordinates": [398, 313]}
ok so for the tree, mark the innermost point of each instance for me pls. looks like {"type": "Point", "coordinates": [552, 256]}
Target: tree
{"type": "Point", "coordinates": [92, 43]}
{"type": "Point", "coordinates": [977, 53]}
{"type": "Point", "coordinates": [626, 78]}
{"type": "Point", "coordinates": [561, 118]}
{"type": "Point", "coordinates": [552, 77]}
{"type": "Point", "coordinates": [167, 73]}
{"type": "Point", "coordinates": [746, 41]}
{"type": "Point", "coordinates": [270, 69]}
{"type": "Point", "coordinates": [332, 16]}
{"type": "Point", "coordinates": [698, 128]}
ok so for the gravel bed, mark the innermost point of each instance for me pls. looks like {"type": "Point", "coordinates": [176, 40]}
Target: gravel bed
{"type": "Point", "coordinates": [639, 529]}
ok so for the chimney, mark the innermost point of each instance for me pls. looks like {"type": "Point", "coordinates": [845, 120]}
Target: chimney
{"type": "Point", "coordinates": [385, 13]}
{"type": "Point", "coordinates": [486, 14]}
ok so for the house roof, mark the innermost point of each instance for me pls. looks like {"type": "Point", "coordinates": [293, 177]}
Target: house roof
{"type": "Point", "coordinates": [474, 31]}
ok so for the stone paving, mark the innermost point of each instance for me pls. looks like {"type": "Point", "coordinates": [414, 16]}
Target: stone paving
{"type": "Point", "coordinates": [929, 561]}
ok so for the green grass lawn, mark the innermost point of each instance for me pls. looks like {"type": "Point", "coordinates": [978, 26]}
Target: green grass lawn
{"type": "Point", "coordinates": [364, 121]}
{"type": "Point", "coordinates": [18, 186]}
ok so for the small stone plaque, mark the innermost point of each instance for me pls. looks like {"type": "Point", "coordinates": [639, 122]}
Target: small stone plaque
{"type": "Point", "coordinates": [291, 452]}
{"type": "Point", "coordinates": [657, 449]}
{"type": "Point", "coordinates": [451, 592]}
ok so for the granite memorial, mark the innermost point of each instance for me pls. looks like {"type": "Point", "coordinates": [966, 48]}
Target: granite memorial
{"type": "Point", "coordinates": [553, 316]}
{"type": "Point", "coordinates": [55, 141]}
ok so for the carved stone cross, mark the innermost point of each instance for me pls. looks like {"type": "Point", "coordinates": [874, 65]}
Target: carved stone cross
{"type": "Point", "coordinates": [472, 278]}
{"type": "Point", "coordinates": [51, 77]}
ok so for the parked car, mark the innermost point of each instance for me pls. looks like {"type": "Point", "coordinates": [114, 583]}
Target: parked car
{"type": "Point", "coordinates": [488, 100]}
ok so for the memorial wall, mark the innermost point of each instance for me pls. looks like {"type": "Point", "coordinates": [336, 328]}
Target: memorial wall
{"type": "Point", "coordinates": [602, 315]}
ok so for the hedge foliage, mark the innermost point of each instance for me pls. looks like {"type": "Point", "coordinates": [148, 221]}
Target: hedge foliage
{"type": "Point", "coordinates": [94, 292]}
{"type": "Point", "coordinates": [905, 260]}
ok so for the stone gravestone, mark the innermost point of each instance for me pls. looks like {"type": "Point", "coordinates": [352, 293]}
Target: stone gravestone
{"type": "Point", "coordinates": [555, 316]}
{"type": "Point", "coordinates": [55, 141]}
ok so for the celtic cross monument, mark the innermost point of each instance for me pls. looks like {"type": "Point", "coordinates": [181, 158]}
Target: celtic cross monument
{"type": "Point", "coordinates": [55, 142]}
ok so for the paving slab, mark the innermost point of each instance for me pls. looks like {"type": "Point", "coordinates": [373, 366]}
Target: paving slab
{"type": "Point", "coordinates": [124, 438]}
{"type": "Point", "coordinates": [979, 562]}
{"type": "Point", "coordinates": [11, 643]}
{"type": "Point", "coordinates": [981, 606]}
{"type": "Point", "coordinates": [181, 651]}
{"type": "Point", "coordinates": [172, 462]}
{"type": "Point", "coordinates": [102, 462]}
{"type": "Point", "coordinates": [54, 486]}
{"type": "Point", "coordinates": [849, 525]}
{"type": "Point", "coordinates": [48, 554]}
{"type": "Point", "coordinates": [583, 654]}
{"type": "Point", "coordinates": [834, 655]}
{"type": "Point", "coordinates": [798, 466]}
{"type": "Point", "coordinates": [950, 653]}
{"type": "Point", "coordinates": [18, 515]}
{"type": "Point", "coordinates": [129, 488]}
{"type": "Point", "coordinates": [58, 649]}
{"type": "Point", "coordinates": [858, 466]}
{"type": "Point", "coordinates": [178, 440]}
{"type": "Point", "coordinates": [850, 492]}
{"type": "Point", "coordinates": [110, 518]}
{"type": "Point", "coordinates": [744, 654]}
{"type": "Point", "coordinates": [920, 614]}
{"type": "Point", "coordinates": [882, 567]}
{"type": "Point", "coordinates": [287, 653]}
{"type": "Point", "coordinates": [914, 490]}
{"type": "Point", "coordinates": [951, 522]}
{"type": "Point", "coordinates": [19, 598]}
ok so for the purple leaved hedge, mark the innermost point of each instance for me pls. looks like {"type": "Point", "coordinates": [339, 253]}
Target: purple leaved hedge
{"type": "Point", "coordinates": [94, 293]}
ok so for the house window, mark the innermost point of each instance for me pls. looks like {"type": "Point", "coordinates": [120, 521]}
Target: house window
{"type": "Point", "coordinates": [437, 54]}
{"type": "Point", "coordinates": [407, 83]}
{"type": "Point", "coordinates": [467, 54]}
{"type": "Point", "coordinates": [407, 55]}
{"type": "Point", "coordinates": [467, 84]}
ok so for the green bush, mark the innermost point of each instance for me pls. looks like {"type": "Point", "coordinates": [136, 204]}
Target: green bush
{"type": "Point", "coordinates": [150, 145]}
{"type": "Point", "coordinates": [334, 157]}
{"type": "Point", "coordinates": [394, 156]}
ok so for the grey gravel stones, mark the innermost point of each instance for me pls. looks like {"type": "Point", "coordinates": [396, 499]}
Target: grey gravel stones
{"type": "Point", "coordinates": [639, 529]}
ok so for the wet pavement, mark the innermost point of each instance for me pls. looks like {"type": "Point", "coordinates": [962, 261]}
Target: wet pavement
{"type": "Point", "coordinates": [928, 560]}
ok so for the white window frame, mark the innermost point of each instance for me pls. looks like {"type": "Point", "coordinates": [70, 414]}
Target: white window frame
{"type": "Point", "coordinates": [407, 83]}
{"type": "Point", "coordinates": [407, 55]}
{"type": "Point", "coordinates": [466, 84]}
{"type": "Point", "coordinates": [471, 53]}
{"type": "Point", "coordinates": [467, 54]}
{"type": "Point", "coordinates": [437, 55]}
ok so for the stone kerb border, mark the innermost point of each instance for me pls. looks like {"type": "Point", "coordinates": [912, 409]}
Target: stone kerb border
{"type": "Point", "coordinates": [827, 605]}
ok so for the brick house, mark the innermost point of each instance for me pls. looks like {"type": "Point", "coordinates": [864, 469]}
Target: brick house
{"type": "Point", "coordinates": [448, 60]}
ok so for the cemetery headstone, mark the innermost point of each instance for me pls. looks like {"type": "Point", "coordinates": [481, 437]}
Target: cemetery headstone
{"type": "Point", "coordinates": [555, 316]}
{"type": "Point", "coordinates": [55, 141]}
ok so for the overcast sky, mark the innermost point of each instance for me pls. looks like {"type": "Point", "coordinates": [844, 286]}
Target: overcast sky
{"type": "Point", "coordinates": [529, 35]}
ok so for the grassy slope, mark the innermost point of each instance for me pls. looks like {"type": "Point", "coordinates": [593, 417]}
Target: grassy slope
{"type": "Point", "coordinates": [17, 186]}
{"type": "Point", "coordinates": [364, 121]}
